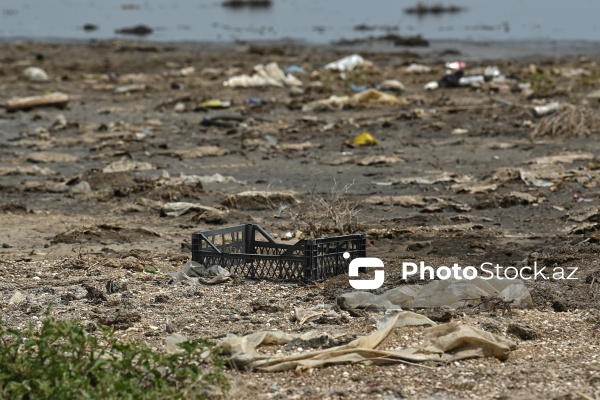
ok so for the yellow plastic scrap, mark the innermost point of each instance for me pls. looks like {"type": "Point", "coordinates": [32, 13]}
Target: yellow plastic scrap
{"type": "Point", "coordinates": [364, 139]}
{"type": "Point", "coordinates": [215, 103]}
{"type": "Point", "coordinates": [373, 96]}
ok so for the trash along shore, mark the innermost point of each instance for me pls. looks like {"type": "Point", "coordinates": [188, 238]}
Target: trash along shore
{"type": "Point", "coordinates": [176, 192]}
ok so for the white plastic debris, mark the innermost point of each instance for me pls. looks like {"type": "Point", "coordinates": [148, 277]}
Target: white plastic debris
{"type": "Point", "coordinates": [127, 166]}
{"type": "Point", "coordinates": [36, 74]}
{"type": "Point", "coordinates": [417, 69]}
{"type": "Point", "coordinates": [430, 86]}
{"type": "Point", "coordinates": [451, 292]}
{"type": "Point", "coordinates": [346, 64]}
{"type": "Point", "coordinates": [392, 84]}
{"type": "Point", "coordinates": [269, 75]}
{"type": "Point", "coordinates": [193, 273]}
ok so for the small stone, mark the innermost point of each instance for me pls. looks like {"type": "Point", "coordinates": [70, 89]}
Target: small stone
{"type": "Point", "coordinates": [36, 74]}
{"type": "Point", "coordinates": [81, 188]}
{"type": "Point", "coordinates": [179, 107]}
{"type": "Point", "coordinates": [460, 131]}
{"type": "Point", "coordinates": [17, 298]}
{"type": "Point", "coordinates": [522, 331]}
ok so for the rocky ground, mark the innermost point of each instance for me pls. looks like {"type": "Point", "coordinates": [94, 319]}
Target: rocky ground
{"type": "Point", "coordinates": [458, 175]}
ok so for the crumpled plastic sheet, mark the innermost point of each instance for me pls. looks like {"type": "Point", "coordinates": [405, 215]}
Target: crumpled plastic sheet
{"type": "Point", "coordinates": [451, 293]}
{"type": "Point", "coordinates": [443, 343]}
{"type": "Point", "coordinates": [194, 273]}
{"type": "Point", "coordinates": [269, 75]}
{"type": "Point", "coordinates": [346, 64]}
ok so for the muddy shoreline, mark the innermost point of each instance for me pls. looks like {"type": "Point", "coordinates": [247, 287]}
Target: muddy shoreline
{"type": "Point", "coordinates": [455, 176]}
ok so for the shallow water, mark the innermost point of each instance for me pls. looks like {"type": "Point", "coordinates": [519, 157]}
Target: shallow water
{"type": "Point", "coordinates": [313, 21]}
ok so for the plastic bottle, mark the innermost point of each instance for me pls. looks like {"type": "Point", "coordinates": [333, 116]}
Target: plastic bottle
{"type": "Point", "coordinates": [471, 80]}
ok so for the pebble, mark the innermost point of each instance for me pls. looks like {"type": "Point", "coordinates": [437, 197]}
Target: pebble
{"type": "Point", "coordinates": [179, 107]}
{"type": "Point", "coordinates": [36, 74]}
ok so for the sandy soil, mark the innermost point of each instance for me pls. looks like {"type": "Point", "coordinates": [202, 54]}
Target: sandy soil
{"type": "Point", "coordinates": [60, 235]}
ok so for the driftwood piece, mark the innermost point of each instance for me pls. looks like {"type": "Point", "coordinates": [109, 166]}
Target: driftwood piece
{"type": "Point", "coordinates": [53, 99]}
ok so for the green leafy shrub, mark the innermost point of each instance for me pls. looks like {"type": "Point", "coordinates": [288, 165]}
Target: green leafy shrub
{"type": "Point", "coordinates": [63, 361]}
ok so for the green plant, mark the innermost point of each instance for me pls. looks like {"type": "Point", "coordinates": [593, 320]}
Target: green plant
{"type": "Point", "coordinates": [63, 361]}
{"type": "Point", "coordinates": [589, 80]}
{"type": "Point", "coordinates": [539, 82]}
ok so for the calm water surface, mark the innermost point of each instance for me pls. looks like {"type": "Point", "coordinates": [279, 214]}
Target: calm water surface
{"type": "Point", "coordinates": [316, 21]}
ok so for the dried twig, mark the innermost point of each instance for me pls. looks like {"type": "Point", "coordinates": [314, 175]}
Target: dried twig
{"type": "Point", "coordinates": [332, 214]}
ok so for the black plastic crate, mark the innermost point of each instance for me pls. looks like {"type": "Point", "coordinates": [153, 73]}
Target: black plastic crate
{"type": "Point", "coordinates": [250, 251]}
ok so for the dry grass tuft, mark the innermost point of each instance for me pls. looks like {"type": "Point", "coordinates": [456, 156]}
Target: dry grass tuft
{"type": "Point", "coordinates": [333, 214]}
{"type": "Point", "coordinates": [569, 122]}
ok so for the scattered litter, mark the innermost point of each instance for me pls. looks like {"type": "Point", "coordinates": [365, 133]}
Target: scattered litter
{"type": "Point", "coordinates": [194, 273]}
{"type": "Point", "coordinates": [433, 179]}
{"type": "Point", "coordinates": [200, 152]}
{"type": "Point", "coordinates": [571, 121]}
{"type": "Point", "coordinates": [26, 170]}
{"type": "Point", "coordinates": [56, 99]}
{"type": "Point", "coordinates": [427, 203]}
{"type": "Point", "coordinates": [50, 157]}
{"type": "Point", "coordinates": [474, 188]}
{"type": "Point", "coordinates": [443, 343]}
{"type": "Point", "coordinates": [517, 198]}
{"type": "Point", "coordinates": [288, 147]}
{"type": "Point", "coordinates": [177, 209]}
{"type": "Point", "coordinates": [17, 298]}
{"type": "Point", "coordinates": [364, 139]}
{"type": "Point", "coordinates": [530, 179]}
{"type": "Point", "coordinates": [583, 228]}
{"type": "Point", "coordinates": [566, 157]}
{"type": "Point", "coordinates": [370, 96]}
{"type": "Point", "coordinates": [126, 166]}
{"type": "Point", "coordinates": [36, 74]}
{"type": "Point", "coordinates": [348, 63]}
{"type": "Point", "coordinates": [294, 69]}
{"type": "Point", "coordinates": [215, 103]}
{"type": "Point", "coordinates": [417, 69]}
{"type": "Point", "coordinates": [134, 87]}
{"type": "Point", "coordinates": [453, 293]}
{"type": "Point", "coordinates": [269, 75]}
{"type": "Point", "coordinates": [393, 85]}
{"type": "Point", "coordinates": [255, 200]}
{"type": "Point", "coordinates": [356, 88]}
{"type": "Point", "coordinates": [376, 160]}
{"type": "Point", "coordinates": [546, 109]}
{"type": "Point", "coordinates": [303, 315]}
{"type": "Point", "coordinates": [584, 214]}
{"type": "Point", "coordinates": [184, 179]}
{"type": "Point", "coordinates": [460, 131]}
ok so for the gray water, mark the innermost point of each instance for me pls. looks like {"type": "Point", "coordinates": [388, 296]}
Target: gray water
{"type": "Point", "coordinates": [314, 21]}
